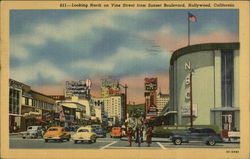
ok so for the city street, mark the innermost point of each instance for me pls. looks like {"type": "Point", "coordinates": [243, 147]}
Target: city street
{"type": "Point", "coordinates": [108, 143]}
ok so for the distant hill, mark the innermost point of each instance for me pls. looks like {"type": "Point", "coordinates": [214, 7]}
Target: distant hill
{"type": "Point", "coordinates": [135, 107]}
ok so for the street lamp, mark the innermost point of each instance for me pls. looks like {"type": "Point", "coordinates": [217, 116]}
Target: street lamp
{"type": "Point", "coordinates": [125, 109]}
{"type": "Point", "coordinates": [191, 99]}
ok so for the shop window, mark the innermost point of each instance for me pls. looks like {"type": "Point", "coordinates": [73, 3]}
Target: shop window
{"type": "Point", "coordinates": [227, 77]}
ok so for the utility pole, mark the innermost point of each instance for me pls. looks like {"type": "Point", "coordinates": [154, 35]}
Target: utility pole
{"type": "Point", "coordinates": [125, 100]}
{"type": "Point", "coordinates": [125, 109]}
{"type": "Point", "coordinates": [191, 100]}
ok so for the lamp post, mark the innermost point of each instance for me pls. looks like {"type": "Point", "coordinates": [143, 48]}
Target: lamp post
{"type": "Point", "coordinates": [125, 105]}
{"type": "Point", "coordinates": [191, 99]}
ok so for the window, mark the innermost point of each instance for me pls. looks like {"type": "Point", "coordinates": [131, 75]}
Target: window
{"type": "Point", "coordinates": [26, 101]}
{"type": "Point", "coordinates": [227, 77]}
{"type": "Point", "coordinates": [14, 101]}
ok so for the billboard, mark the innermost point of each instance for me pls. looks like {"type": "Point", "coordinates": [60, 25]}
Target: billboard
{"type": "Point", "coordinates": [78, 88]}
{"type": "Point", "coordinates": [150, 84]}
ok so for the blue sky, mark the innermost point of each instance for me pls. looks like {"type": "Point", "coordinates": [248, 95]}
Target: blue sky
{"type": "Point", "coordinates": [48, 47]}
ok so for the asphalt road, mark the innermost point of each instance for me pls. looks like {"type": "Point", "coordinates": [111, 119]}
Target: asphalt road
{"type": "Point", "coordinates": [17, 142]}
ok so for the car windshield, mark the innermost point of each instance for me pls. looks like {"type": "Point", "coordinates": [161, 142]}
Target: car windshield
{"type": "Point", "coordinates": [83, 130]}
{"type": "Point", "coordinates": [98, 129]}
{"type": "Point", "coordinates": [30, 128]}
{"type": "Point", "coordinates": [53, 129]}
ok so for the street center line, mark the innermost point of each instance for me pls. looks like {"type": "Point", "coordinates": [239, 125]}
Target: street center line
{"type": "Point", "coordinates": [108, 145]}
{"type": "Point", "coordinates": [161, 145]}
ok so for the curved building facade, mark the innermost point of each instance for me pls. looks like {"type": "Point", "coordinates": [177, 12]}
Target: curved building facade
{"type": "Point", "coordinates": [208, 76]}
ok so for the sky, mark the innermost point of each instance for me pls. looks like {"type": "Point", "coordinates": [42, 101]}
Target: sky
{"type": "Point", "coordinates": [49, 47]}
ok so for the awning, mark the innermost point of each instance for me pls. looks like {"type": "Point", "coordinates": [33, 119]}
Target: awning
{"type": "Point", "coordinates": [40, 121]}
{"type": "Point", "coordinates": [226, 109]}
{"type": "Point", "coordinates": [170, 112]}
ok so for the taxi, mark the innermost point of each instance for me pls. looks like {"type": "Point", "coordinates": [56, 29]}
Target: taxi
{"type": "Point", "coordinates": [116, 132]}
{"type": "Point", "coordinates": [56, 134]}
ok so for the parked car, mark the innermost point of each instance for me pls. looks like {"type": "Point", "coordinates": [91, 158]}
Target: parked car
{"type": "Point", "coordinates": [100, 132]}
{"type": "Point", "coordinates": [85, 134]}
{"type": "Point", "coordinates": [116, 132]}
{"type": "Point", "coordinates": [234, 135]}
{"type": "Point", "coordinates": [56, 134]}
{"type": "Point", "coordinates": [33, 132]}
{"type": "Point", "coordinates": [206, 135]}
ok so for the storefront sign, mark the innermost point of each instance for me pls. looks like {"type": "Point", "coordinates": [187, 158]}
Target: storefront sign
{"type": "Point", "coordinates": [185, 111]}
{"type": "Point", "coordinates": [187, 65]}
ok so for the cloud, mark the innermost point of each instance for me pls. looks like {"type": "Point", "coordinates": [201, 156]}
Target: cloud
{"type": "Point", "coordinates": [34, 72]}
{"type": "Point", "coordinates": [123, 59]}
{"type": "Point", "coordinates": [171, 41]}
{"type": "Point", "coordinates": [68, 30]}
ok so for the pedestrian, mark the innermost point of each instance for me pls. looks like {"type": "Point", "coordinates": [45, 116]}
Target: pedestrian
{"type": "Point", "coordinates": [149, 136]}
{"type": "Point", "coordinates": [130, 133]}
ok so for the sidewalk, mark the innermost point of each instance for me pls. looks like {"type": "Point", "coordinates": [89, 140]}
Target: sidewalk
{"type": "Point", "coordinates": [156, 139]}
{"type": "Point", "coordinates": [14, 134]}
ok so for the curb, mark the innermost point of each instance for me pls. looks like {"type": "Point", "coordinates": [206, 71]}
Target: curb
{"type": "Point", "coordinates": [168, 140]}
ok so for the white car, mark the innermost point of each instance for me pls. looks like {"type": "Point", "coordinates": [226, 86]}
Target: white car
{"type": "Point", "coordinates": [84, 134]}
{"type": "Point", "coordinates": [33, 132]}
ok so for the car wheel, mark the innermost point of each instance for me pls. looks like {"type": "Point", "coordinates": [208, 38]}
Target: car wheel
{"type": "Point", "coordinates": [93, 140]}
{"type": "Point", "coordinates": [24, 137]}
{"type": "Point", "coordinates": [211, 142]}
{"type": "Point", "coordinates": [177, 141]}
{"type": "Point", "coordinates": [61, 140]}
{"type": "Point", "coordinates": [75, 141]}
{"type": "Point", "coordinates": [90, 141]}
{"type": "Point", "coordinates": [46, 140]}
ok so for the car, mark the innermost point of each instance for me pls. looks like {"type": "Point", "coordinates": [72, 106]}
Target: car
{"type": "Point", "coordinates": [95, 126]}
{"type": "Point", "coordinates": [33, 132]}
{"type": "Point", "coordinates": [71, 130]}
{"type": "Point", "coordinates": [56, 134]}
{"type": "Point", "coordinates": [100, 132]}
{"type": "Point", "coordinates": [116, 132]}
{"type": "Point", "coordinates": [84, 134]}
{"type": "Point", "coordinates": [206, 135]}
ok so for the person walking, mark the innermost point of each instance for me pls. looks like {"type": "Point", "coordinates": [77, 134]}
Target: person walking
{"type": "Point", "coordinates": [149, 136]}
{"type": "Point", "coordinates": [130, 133]}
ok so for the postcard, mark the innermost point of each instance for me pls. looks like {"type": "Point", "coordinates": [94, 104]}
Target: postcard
{"type": "Point", "coordinates": [124, 79]}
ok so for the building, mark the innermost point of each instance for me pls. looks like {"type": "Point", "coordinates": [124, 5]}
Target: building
{"type": "Point", "coordinates": [161, 101]}
{"type": "Point", "coordinates": [74, 113]}
{"type": "Point", "coordinates": [208, 76]}
{"type": "Point", "coordinates": [15, 103]}
{"type": "Point", "coordinates": [150, 97]}
{"type": "Point", "coordinates": [98, 104]}
{"type": "Point", "coordinates": [81, 101]}
{"type": "Point", "coordinates": [28, 107]}
{"type": "Point", "coordinates": [114, 106]}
